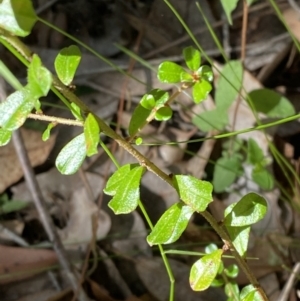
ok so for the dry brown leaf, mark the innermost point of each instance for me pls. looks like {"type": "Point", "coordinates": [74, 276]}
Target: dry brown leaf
{"type": "Point", "coordinates": [38, 152]}
{"type": "Point", "coordinates": [21, 263]}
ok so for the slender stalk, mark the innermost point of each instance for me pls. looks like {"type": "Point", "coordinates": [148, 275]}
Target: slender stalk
{"type": "Point", "coordinates": [55, 119]}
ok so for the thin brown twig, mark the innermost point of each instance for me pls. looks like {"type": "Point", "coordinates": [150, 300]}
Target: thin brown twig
{"type": "Point", "coordinates": [44, 215]}
{"type": "Point", "coordinates": [54, 119]}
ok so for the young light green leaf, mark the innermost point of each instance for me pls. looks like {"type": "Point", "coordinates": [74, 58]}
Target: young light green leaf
{"type": "Point", "coordinates": [46, 134]}
{"type": "Point", "coordinates": [226, 171]}
{"type": "Point", "coordinates": [76, 111]}
{"type": "Point", "coordinates": [192, 58]}
{"type": "Point", "coordinates": [186, 77]}
{"type": "Point", "coordinates": [229, 6]}
{"type": "Point", "coordinates": [232, 291]}
{"type": "Point", "coordinates": [201, 90]}
{"type": "Point", "coordinates": [206, 73]}
{"type": "Point", "coordinates": [15, 109]}
{"type": "Point", "coordinates": [263, 178]}
{"type": "Point", "coordinates": [127, 194]}
{"type": "Point", "coordinates": [5, 136]}
{"type": "Point", "coordinates": [193, 192]}
{"type": "Point", "coordinates": [163, 114]}
{"type": "Point", "coordinates": [91, 132]}
{"type": "Point", "coordinates": [66, 63]}
{"type": "Point", "coordinates": [39, 78]}
{"type": "Point", "coordinates": [271, 103]}
{"type": "Point", "coordinates": [71, 156]}
{"type": "Point", "coordinates": [255, 153]}
{"type": "Point", "coordinates": [170, 225]}
{"type": "Point", "coordinates": [210, 248]}
{"type": "Point", "coordinates": [210, 120]}
{"type": "Point", "coordinates": [18, 17]}
{"type": "Point", "coordinates": [118, 176]}
{"type": "Point", "coordinates": [160, 96]}
{"type": "Point", "coordinates": [138, 119]}
{"type": "Point", "coordinates": [169, 72]}
{"type": "Point", "coordinates": [240, 238]}
{"type": "Point", "coordinates": [148, 101]}
{"type": "Point", "coordinates": [139, 141]}
{"type": "Point", "coordinates": [249, 2]}
{"type": "Point", "coordinates": [249, 210]}
{"type": "Point", "coordinates": [217, 282]}
{"type": "Point", "coordinates": [204, 271]}
{"type": "Point", "coordinates": [250, 293]}
{"type": "Point", "coordinates": [232, 271]}
{"type": "Point", "coordinates": [229, 84]}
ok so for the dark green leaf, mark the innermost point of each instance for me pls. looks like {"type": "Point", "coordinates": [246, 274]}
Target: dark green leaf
{"type": "Point", "coordinates": [71, 156]}
{"type": "Point", "coordinates": [206, 73]}
{"type": "Point", "coordinates": [201, 90]}
{"type": "Point", "coordinates": [91, 134]}
{"type": "Point", "coordinates": [15, 109]}
{"type": "Point", "coordinates": [229, 84]}
{"type": "Point", "coordinates": [192, 58]}
{"type": "Point", "coordinates": [232, 271]}
{"type": "Point", "coordinates": [249, 210]}
{"type": "Point", "coordinates": [5, 137]}
{"type": "Point", "coordinates": [271, 103]}
{"type": "Point", "coordinates": [170, 225]}
{"type": "Point", "coordinates": [127, 194]}
{"type": "Point", "coordinates": [255, 153]}
{"type": "Point", "coordinates": [226, 171]}
{"type": "Point", "coordinates": [46, 134]}
{"type": "Point", "coordinates": [229, 6]}
{"type": "Point", "coordinates": [204, 271]}
{"type": "Point", "coordinates": [39, 78]}
{"type": "Point", "coordinates": [138, 119]}
{"type": "Point", "coordinates": [193, 192]}
{"type": "Point", "coordinates": [263, 178]}
{"type": "Point", "coordinates": [66, 63]}
{"type": "Point", "coordinates": [169, 72]}
{"type": "Point", "coordinates": [163, 114]}
{"type": "Point", "coordinates": [17, 16]}
{"type": "Point", "coordinates": [12, 206]}
{"type": "Point", "coordinates": [210, 120]}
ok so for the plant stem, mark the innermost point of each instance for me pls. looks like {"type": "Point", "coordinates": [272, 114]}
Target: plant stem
{"type": "Point", "coordinates": [56, 119]}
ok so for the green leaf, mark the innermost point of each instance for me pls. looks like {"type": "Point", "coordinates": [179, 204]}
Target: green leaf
{"type": "Point", "coordinates": [248, 210]}
{"type": "Point", "coordinates": [201, 90]}
{"type": "Point", "coordinates": [271, 103]}
{"type": "Point", "coordinates": [138, 119]}
{"type": "Point", "coordinates": [12, 206]}
{"type": "Point", "coordinates": [71, 156]}
{"type": "Point", "coordinates": [263, 178]}
{"type": "Point", "coordinates": [229, 84]}
{"type": "Point", "coordinates": [206, 73]}
{"type": "Point", "coordinates": [66, 63]}
{"type": "Point", "coordinates": [250, 293]}
{"type": "Point", "coordinates": [163, 114]}
{"type": "Point", "coordinates": [39, 78]}
{"type": "Point", "coordinates": [193, 192]}
{"type": "Point", "coordinates": [255, 153]}
{"type": "Point", "coordinates": [210, 248]}
{"type": "Point", "coordinates": [15, 109]}
{"type": "Point", "coordinates": [5, 137]}
{"type": "Point", "coordinates": [229, 6]}
{"type": "Point", "coordinates": [47, 132]}
{"type": "Point", "coordinates": [249, 2]}
{"type": "Point", "coordinates": [169, 72]}
{"type": "Point", "coordinates": [210, 120]}
{"type": "Point", "coordinates": [139, 141]}
{"type": "Point", "coordinates": [160, 96]}
{"type": "Point", "coordinates": [148, 101]}
{"type": "Point", "coordinates": [125, 186]}
{"type": "Point", "coordinates": [17, 16]}
{"type": "Point", "coordinates": [225, 172]}
{"type": "Point", "coordinates": [217, 282]}
{"type": "Point", "coordinates": [170, 225]}
{"type": "Point", "coordinates": [76, 111]}
{"type": "Point", "coordinates": [204, 271]}
{"type": "Point", "coordinates": [186, 77]}
{"type": "Point", "coordinates": [232, 290]}
{"type": "Point", "coordinates": [232, 271]}
{"type": "Point", "coordinates": [192, 58]}
{"type": "Point", "coordinates": [240, 238]}
{"type": "Point", "coordinates": [91, 132]}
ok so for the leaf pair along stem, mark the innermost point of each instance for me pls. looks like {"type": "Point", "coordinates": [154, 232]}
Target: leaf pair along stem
{"type": "Point", "coordinates": [25, 55]}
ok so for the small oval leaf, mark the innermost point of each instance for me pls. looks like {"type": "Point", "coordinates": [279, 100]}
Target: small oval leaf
{"type": "Point", "coordinates": [249, 210]}
{"type": "Point", "coordinates": [91, 132]}
{"type": "Point", "coordinates": [192, 58]}
{"type": "Point", "coordinates": [138, 119]}
{"type": "Point", "coordinates": [170, 225]}
{"type": "Point", "coordinates": [66, 63]}
{"type": "Point", "coordinates": [46, 134]}
{"type": "Point", "coordinates": [201, 91]}
{"type": "Point", "coordinates": [240, 238]}
{"type": "Point", "coordinates": [204, 271]}
{"type": "Point", "coordinates": [169, 72]}
{"type": "Point", "coordinates": [71, 156]}
{"type": "Point", "coordinates": [163, 114]}
{"type": "Point", "coordinates": [263, 178]}
{"type": "Point", "coordinates": [193, 192]}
